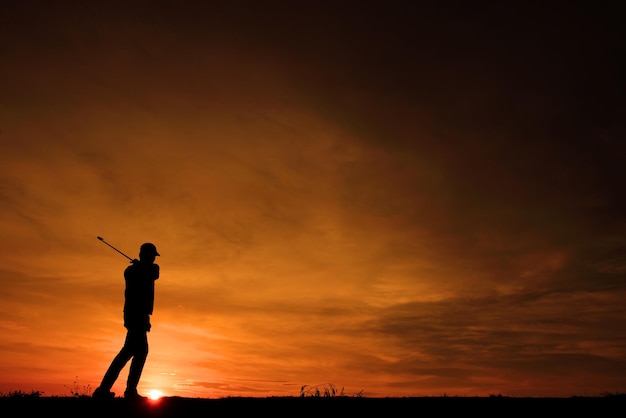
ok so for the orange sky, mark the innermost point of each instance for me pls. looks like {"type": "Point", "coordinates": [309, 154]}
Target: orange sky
{"type": "Point", "coordinates": [397, 201]}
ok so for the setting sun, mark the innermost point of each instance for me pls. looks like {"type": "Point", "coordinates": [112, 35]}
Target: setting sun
{"type": "Point", "coordinates": [155, 394]}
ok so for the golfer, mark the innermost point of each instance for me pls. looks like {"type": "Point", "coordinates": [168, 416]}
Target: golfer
{"type": "Point", "coordinates": [138, 305]}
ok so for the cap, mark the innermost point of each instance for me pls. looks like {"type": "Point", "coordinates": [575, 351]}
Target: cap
{"type": "Point", "coordinates": [148, 248]}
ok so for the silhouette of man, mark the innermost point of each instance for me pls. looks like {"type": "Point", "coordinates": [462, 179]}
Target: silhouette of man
{"type": "Point", "coordinates": [138, 305]}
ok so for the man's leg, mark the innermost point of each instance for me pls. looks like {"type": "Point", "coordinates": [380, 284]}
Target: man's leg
{"type": "Point", "coordinates": [113, 372]}
{"type": "Point", "coordinates": [115, 368]}
{"type": "Point", "coordinates": [139, 343]}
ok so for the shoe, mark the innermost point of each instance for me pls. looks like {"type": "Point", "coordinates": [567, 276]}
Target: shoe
{"type": "Point", "coordinates": [101, 393]}
{"type": "Point", "coordinates": [133, 395]}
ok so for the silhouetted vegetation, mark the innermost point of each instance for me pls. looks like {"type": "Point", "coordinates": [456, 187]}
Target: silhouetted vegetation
{"type": "Point", "coordinates": [20, 394]}
{"type": "Point", "coordinates": [325, 390]}
{"type": "Point", "coordinates": [78, 391]}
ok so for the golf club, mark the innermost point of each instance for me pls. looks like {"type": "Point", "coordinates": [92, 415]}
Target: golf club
{"type": "Point", "coordinates": [101, 239]}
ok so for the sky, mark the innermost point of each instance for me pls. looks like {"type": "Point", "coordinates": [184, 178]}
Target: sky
{"type": "Point", "coordinates": [389, 198]}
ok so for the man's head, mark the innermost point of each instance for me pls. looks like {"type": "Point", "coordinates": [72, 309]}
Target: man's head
{"type": "Point", "coordinates": [148, 249]}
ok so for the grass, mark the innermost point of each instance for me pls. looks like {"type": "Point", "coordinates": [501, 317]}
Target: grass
{"type": "Point", "coordinates": [326, 390]}
{"type": "Point", "coordinates": [78, 391]}
{"type": "Point", "coordinates": [18, 394]}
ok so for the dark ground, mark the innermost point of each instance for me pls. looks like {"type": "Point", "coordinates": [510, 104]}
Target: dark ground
{"type": "Point", "coordinates": [66, 407]}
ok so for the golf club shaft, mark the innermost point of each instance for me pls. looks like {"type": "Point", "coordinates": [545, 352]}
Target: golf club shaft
{"type": "Point", "coordinates": [101, 239]}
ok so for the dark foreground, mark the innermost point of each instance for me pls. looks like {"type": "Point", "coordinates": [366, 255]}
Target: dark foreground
{"type": "Point", "coordinates": [294, 406]}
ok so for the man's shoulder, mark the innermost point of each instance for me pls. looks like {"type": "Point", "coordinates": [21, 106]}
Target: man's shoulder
{"type": "Point", "coordinates": [142, 269]}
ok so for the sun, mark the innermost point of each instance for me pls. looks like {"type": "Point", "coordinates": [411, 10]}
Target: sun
{"type": "Point", "coordinates": [155, 394]}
